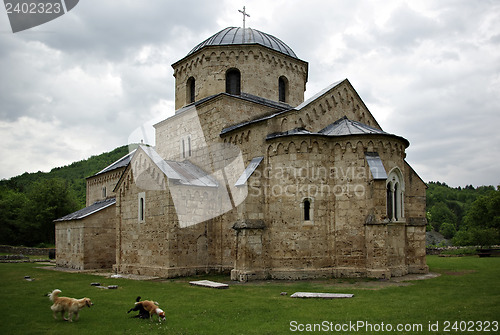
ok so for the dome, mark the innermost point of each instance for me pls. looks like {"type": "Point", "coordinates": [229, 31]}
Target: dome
{"type": "Point", "coordinates": [235, 36]}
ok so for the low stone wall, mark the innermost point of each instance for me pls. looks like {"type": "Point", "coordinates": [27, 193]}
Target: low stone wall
{"type": "Point", "coordinates": [7, 249]}
{"type": "Point", "coordinates": [439, 250]}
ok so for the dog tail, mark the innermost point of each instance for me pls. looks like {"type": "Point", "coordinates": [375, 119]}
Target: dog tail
{"type": "Point", "coordinates": [138, 299]}
{"type": "Point", "coordinates": [53, 295]}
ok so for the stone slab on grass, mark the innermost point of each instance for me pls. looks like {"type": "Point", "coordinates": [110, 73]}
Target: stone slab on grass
{"type": "Point", "coordinates": [209, 283]}
{"type": "Point", "coordinates": [321, 295]}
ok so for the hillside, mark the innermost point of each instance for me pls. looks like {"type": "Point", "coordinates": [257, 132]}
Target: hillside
{"type": "Point", "coordinates": [74, 174]}
{"type": "Point", "coordinates": [30, 202]}
{"type": "Point", "coordinates": [467, 215]}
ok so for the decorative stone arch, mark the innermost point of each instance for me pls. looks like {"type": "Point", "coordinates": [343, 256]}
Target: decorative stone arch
{"type": "Point", "coordinates": [395, 187]}
{"type": "Point", "coordinates": [284, 125]}
{"type": "Point", "coordinates": [304, 147]}
{"type": "Point", "coordinates": [301, 123]}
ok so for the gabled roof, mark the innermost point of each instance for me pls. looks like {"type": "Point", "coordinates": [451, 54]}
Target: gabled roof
{"type": "Point", "coordinates": [122, 162]}
{"type": "Point", "coordinates": [192, 175]}
{"type": "Point", "coordinates": [279, 107]}
{"type": "Point", "coordinates": [286, 110]}
{"type": "Point", "coordinates": [84, 212]}
{"type": "Point", "coordinates": [319, 94]}
{"type": "Point", "coordinates": [184, 173]}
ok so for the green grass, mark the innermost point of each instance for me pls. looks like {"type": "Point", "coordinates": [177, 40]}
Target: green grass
{"type": "Point", "coordinates": [467, 290]}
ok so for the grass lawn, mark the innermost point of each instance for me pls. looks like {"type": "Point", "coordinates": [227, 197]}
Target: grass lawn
{"type": "Point", "coordinates": [467, 290]}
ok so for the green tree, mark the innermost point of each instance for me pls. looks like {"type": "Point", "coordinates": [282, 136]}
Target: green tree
{"type": "Point", "coordinates": [48, 200]}
{"type": "Point", "coordinates": [440, 213]}
{"type": "Point", "coordinates": [482, 221]}
{"type": "Point", "coordinates": [448, 230]}
{"type": "Point", "coordinates": [11, 205]}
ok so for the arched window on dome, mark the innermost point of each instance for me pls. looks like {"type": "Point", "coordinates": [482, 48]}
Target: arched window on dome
{"type": "Point", "coordinates": [283, 89]}
{"type": "Point", "coordinates": [395, 196]}
{"type": "Point", "coordinates": [190, 90]}
{"type": "Point", "coordinates": [233, 81]}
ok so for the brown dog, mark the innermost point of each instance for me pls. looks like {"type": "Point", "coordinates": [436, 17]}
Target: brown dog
{"type": "Point", "coordinates": [65, 304]}
{"type": "Point", "coordinates": [151, 308]}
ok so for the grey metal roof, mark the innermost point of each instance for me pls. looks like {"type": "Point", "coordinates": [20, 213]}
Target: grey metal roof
{"type": "Point", "coordinates": [161, 163]}
{"type": "Point", "coordinates": [192, 175]}
{"type": "Point", "coordinates": [184, 173]}
{"type": "Point", "coordinates": [84, 212]}
{"type": "Point", "coordinates": [236, 35]}
{"type": "Point", "coordinates": [376, 166]}
{"type": "Point", "coordinates": [122, 162]}
{"type": "Point", "coordinates": [295, 131]}
{"type": "Point", "coordinates": [341, 127]}
{"type": "Point", "coordinates": [344, 126]}
{"type": "Point", "coordinates": [254, 163]}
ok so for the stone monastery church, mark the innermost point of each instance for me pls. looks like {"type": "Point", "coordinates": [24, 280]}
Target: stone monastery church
{"type": "Point", "coordinates": [248, 178]}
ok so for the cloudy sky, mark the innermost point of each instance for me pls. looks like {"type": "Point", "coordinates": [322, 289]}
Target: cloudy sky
{"type": "Point", "coordinates": [428, 70]}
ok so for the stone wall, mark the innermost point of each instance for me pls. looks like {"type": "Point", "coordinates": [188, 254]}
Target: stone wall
{"type": "Point", "coordinates": [88, 243]}
{"type": "Point", "coordinates": [7, 249]}
{"type": "Point", "coordinates": [101, 186]}
{"type": "Point", "coordinates": [70, 244]}
{"type": "Point", "coordinates": [260, 70]}
{"type": "Point", "coordinates": [348, 234]}
{"type": "Point", "coordinates": [171, 240]}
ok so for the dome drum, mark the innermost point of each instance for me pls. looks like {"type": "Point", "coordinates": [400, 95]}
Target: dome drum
{"type": "Point", "coordinates": [268, 68]}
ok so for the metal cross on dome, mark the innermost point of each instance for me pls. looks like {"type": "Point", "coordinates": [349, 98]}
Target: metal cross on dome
{"type": "Point", "coordinates": [244, 16]}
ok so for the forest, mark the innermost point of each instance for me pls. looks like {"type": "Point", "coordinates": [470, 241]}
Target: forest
{"type": "Point", "coordinates": [30, 202]}
{"type": "Point", "coordinates": [465, 216]}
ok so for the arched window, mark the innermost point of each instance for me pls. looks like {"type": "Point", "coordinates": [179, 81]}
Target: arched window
{"type": "Point", "coordinates": [233, 81]}
{"type": "Point", "coordinates": [395, 195]}
{"type": "Point", "coordinates": [190, 90]}
{"type": "Point", "coordinates": [307, 210]}
{"type": "Point", "coordinates": [283, 89]}
{"type": "Point", "coordinates": [141, 207]}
